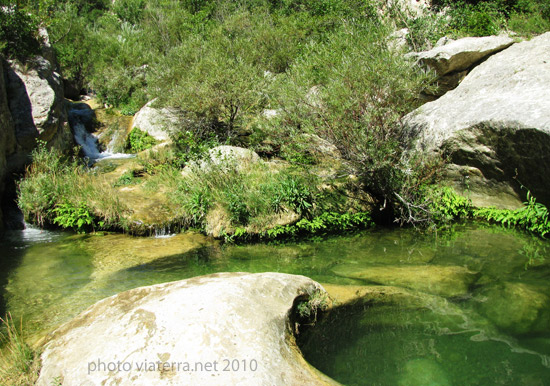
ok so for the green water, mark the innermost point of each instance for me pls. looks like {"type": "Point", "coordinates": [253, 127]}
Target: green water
{"type": "Point", "coordinates": [468, 307]}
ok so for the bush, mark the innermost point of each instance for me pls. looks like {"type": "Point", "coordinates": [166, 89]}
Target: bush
{"type": "Point", "coordinates": [352, 92]}
{"type": "Point", "coordinates": [139, 140]}
{"type": "Point", "coordinates": [19, 36]}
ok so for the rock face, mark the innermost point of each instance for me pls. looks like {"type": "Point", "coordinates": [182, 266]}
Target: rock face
{"type": "Point", "coordinates": [438, 280]}
{"type": "Point", "coordinates": [35, 94]}
{"type": "Point", "coordinates": [221, 329]}
{"type": "Point", "coordinates": [461, 54]}
{"type": "Point", "coordinates": [495, 126]}
{"type": "Point", "coordinates": [7, 135]}
{"type": "Point", "coordinates": [452, 59]}
{"type": "Point", "coordinates": [159, 123]}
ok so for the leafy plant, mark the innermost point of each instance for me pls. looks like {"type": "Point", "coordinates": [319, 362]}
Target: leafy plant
{"type": "Point", "coordinates": [128, 178]}
{"type": "Point", "coordinates": [19, 37]}
{"type": "Point", "coordinates": [78, 217]}
{"type": "Point", "coordinates": [533, 216]}
{"type": "Point", "coordinates": [139, 140]}
{"type": "Point", "coordinates": [295, 193]}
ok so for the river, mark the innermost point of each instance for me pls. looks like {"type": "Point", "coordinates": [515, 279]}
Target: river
{"type": "Point", "coordinates": [487, 323]}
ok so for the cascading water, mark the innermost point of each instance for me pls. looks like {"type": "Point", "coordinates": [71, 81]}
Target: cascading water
{"type": "Point", "coordinates": [89, 143]}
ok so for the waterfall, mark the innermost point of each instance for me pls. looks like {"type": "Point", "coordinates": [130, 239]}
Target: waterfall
{"type": "Point", "coordinates": [88, 141]}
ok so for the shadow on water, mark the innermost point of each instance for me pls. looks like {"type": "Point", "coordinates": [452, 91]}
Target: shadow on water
{"type": "Point", "coordinates": [13, 248]}
{"type": "Point", "coordinates": [396, 343]}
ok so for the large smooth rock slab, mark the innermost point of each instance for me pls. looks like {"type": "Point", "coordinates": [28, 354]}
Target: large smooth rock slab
{"type": "Point", "coordinates": [219, 323]}
{"type": "Point", "coordinates": [494, 126]}
{"type": "Point", "coordinates": [158, 122]}
{"type": "Point", "coordinates": [439, 280]}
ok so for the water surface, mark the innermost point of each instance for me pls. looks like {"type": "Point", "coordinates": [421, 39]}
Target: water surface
{"type": "Point", "coordinates": [480, 315]}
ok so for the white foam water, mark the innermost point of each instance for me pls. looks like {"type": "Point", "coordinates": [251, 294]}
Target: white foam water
{"type": "Point", "coordinates": [89, 144]}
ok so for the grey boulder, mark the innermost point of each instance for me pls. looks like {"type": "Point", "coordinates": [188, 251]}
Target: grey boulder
{"type": "Point", "coordinates": [494, 126]}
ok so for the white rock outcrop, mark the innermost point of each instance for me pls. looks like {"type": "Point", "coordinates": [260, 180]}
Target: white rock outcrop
{"type": "Point", "coordinates": [220, 329]}
{"type": "Point", "coordinates": [35, 95]}
{"type": "Point", "coordinates": [495, 126]}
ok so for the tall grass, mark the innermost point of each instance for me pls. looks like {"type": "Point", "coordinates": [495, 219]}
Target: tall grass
{"type": "Point", "coordinates": [19, 363]}
{"type": "Point", "coordinates": [55, 184]}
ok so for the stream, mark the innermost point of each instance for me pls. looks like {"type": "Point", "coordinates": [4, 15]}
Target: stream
{"type": "Point", "coordinates": [481, 317]}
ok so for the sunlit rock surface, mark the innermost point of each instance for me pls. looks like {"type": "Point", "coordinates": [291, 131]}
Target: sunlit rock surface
{"type": "Point", "coordinates": [494, 126]}
{"type": "Point", "coordinates": [221, 329]}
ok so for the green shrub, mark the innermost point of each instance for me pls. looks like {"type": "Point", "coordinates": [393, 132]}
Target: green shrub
{"type": "Point", "coordinates": [352, 91]}
{"type": "Point", "coordinates": [78, 217]}
{"type": "Point", "coordinates": [58, 191]}
{"type": "Point", "coordinates": [18, 32]}
{"type": "Point", "coordinates": [139, 140]}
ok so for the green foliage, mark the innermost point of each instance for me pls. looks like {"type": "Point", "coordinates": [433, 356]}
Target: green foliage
{"type": "Point", "coordinates": [61, 191]}
{"type": "Point", "coordinates": [130, 11]}
{"type": "Point", "coordinates": [19, 36]}
{"type": "Point", "coordinates": [352, 91]}
{"type": "Point", "coordinates": [446, 205]}
{"type": "Point", "coordinates": [197, 203]}
{"type": "Point", "coordinates": [78, 217]}
{"type": "Point", "coordinates": [128, 178]}
{"type": "Point", "coordinates": [294, 192]}
{"type": "Point", "coordinates": [308, 307]}
{"type": "Point", "coordinates": [324, 224]}
{"type": "Point", "coordinates": [139, 140]}
{"type": "Point", "coordinates": [533, 216]}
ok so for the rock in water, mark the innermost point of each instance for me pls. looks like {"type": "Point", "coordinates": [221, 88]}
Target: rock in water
{"type": "Point", "coordinates": [432, 279]}
{"type": "Point", "coordinates": [423, 372]}
{"type": "Point", "coordinates": [495, 126]}
{"type": "Point", "coordinates": [517, 308]}
{"type": "Point", "coordinates": [221, 329]}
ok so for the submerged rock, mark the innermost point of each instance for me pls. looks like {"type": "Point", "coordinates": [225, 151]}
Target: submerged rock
{"type": "Point", "coordinates": [495, 126]}
{"type": "Point", "coordinates": [423, 372]}
{"type": "Point", "coordinates": [438, 280]}
{"type": "Point", "coordinates": [221, 329]}
{"type": "Point", "coordinates": [517, 308]}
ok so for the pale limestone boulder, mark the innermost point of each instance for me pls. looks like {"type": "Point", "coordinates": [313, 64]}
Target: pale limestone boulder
{"type": "Point", "coordinates": [158, 122]}
{"type": "Point", "coordinates": [447, 281]}
{"type": "Point", "coordinates": [494, 126]}
{"type": "Point", "coordinates": [452, 59]}
{"type": "Point", "coordinates": [221, 154]}
{"type": "Point", "coordinates": [461, 54]}
{"type": "Point", "coordinates": [203, 321]}
{"type": "Point", "coordinates": [35, 94]}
